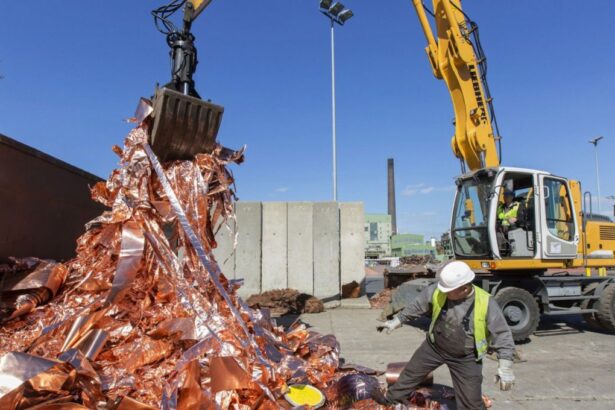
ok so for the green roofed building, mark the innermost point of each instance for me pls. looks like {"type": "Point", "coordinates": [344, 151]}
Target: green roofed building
{"type": "Point", "coordinates": [408, 244]}
{"type": "Point", "coordinates": [377, 235]}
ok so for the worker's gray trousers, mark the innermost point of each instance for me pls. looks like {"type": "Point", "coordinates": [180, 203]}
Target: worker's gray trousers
{"type": "Point", "coordinates": [467, 375]}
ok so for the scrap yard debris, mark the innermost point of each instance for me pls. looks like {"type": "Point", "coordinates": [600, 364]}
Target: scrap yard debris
{"type": "Point", "coordinates": [286, 301]}
{"type": "Point", "coordinates": [381, 299]}
{"type": "Point", "coordinates": [143, 317]}
{"type": "Point", "coordinates": [351, 290]}
{"type": "Point", "coordinates": [411, 267]}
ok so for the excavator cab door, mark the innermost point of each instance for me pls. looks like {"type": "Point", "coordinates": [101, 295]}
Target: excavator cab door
{"type": "Point", "coordinates": [557, 218]}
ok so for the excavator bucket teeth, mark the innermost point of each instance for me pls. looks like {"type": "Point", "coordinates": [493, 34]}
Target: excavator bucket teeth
{"type": "Point", "coordinates": [183, 125]}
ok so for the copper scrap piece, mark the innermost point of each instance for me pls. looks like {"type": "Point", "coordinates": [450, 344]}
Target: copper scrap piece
{"type": "Point", "coordinates": [30, 380]}
{"type": "Point", "coordinates": [141, 352]}
{"type": "Point", "coordinates": [180, 328]}
{"type": "Point", "coordinates": [394, 370]}
{"type": "Point", "coordinates": [131, 255]}
{"type": "Point", "coordinates": [62, 405]}
{"type": "Point", "coordinates": [22, 294]}
{"type": "Point", "coordinates": [47, 274]}
{"type": "Point", "coordinates": [143, 111]}
{"type": "Point", "coordinates": [92, 343]}
{"type": "Point", "coordinates": [190, 395]}
{"type": "Point", "coordinates": [127, 403]}
{"type": "Point", "coordinates": [16, 369]}
{"type": "Point", "coordinates": [80, 327]}
{"type": "Point", "coordinates": [227, 374]}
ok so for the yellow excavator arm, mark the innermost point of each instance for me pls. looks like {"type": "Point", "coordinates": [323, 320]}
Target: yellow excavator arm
{"type": "Point", "coordinates": [453, 58]}
{"type": "Point", "coordinates": [194, 8]}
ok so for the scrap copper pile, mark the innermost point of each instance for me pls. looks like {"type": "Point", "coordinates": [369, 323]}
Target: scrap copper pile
{"type": "Point", "coordinates": [143, 317]}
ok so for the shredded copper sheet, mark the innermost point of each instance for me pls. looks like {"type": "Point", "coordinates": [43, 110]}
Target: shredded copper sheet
{"type": "Point", "coordinates": [381, 299]}
{"type": "Point", "coordinates": [143, 318]}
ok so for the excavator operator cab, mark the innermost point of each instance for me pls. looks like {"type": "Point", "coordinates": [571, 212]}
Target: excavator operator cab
{"type": "Point", "coordinates": [539, 222]}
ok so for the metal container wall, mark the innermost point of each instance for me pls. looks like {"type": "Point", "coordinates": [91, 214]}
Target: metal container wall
{"type": "Point", "coordinates": [44, 203]}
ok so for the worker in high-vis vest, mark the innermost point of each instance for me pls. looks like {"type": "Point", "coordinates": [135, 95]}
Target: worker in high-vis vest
{"type": "Point", "coordinates": [508, 212]}
{"type": "Point", "coordinates": [465, 322]}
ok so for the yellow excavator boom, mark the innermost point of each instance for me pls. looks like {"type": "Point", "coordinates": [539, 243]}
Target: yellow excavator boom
{"type": "Point", "coordinates": [453, 59]}
{"type": "Point", "coordinates": [195, 7]}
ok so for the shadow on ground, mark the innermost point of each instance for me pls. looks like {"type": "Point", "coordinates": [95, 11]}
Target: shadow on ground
{"type": "Point", "coordinates": [287, 320]}
{"type": "Point", "coordinates": [564, 325]}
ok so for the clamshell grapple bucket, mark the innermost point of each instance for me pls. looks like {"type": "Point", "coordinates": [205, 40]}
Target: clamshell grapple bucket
{"type": "Point", "coordinates": [183, 125]}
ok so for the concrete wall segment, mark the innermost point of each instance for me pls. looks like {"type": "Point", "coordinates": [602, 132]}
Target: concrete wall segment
{"type": "Point", "coordinates": [300, 246]}
{"type": "Point", "coordinates": [275, 246]}
{"type": "Point", "coordinates": [326, 250]}
{"type": "Point", "coordinates": [249, 246]}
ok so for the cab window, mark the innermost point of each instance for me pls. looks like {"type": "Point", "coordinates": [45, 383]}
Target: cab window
{"type": "Point", "coordinates": [560, 221]}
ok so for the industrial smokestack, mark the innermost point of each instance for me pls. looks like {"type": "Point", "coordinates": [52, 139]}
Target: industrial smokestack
{"type": "Point", "coordinates": [391, 191]}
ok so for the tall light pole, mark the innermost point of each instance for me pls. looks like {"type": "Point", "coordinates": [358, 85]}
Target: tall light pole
{"type": "Point", "coordinates": [595, 142]}
{"type": "Point", "coordinates": [336, 13]}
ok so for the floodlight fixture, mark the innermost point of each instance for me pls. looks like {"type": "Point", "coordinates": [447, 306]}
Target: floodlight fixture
{"type": "Point", "coordinates": [325, 4]}
{"type": "Point", "coordinates": [345, 15]}
{"type": "Point", "coordinates": [336, 8]}
{"type": "Point", "coordinates": [595, 140]}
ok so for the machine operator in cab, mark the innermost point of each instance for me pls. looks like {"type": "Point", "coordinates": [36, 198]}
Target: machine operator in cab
{"type": "Point", "coordinates": [508, 211]}
{"type": "Point", "coordinates": [508, 215]}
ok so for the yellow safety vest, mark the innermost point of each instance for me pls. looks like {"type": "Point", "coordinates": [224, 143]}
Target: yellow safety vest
{"type": "Point", "coordinates": [504, 215]}
{"type": "Point", "coordinates": [481, 302]}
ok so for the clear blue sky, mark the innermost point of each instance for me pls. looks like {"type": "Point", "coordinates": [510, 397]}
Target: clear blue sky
{"type": "Point", "coordinates": [73, 70]}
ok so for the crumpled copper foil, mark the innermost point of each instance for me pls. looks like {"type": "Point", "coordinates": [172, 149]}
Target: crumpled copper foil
{"type": "Point", "coordinates": [143, 317]}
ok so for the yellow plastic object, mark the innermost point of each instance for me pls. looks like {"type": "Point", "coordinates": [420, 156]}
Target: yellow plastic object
{"type": "Point", "coordinates": [305, 395]}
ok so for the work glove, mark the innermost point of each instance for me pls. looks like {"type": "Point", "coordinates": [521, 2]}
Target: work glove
{"type": "Point", "coordinates": [512, 221]}
{"type": "Point", "coordinates": [390, 325]}
{"type": "Point", "coordinates": [505, 375]}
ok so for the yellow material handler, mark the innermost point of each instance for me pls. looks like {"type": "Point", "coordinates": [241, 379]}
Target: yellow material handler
{"type": "Point", "coordinates": [551, 254]}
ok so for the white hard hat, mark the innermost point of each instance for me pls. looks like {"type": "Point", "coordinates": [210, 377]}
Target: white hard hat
{"type": "Point", "coordinates": [454, 275]}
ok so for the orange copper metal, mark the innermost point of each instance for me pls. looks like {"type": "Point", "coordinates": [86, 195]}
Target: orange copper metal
{"type": "Point", "coordinates": [143, 319]}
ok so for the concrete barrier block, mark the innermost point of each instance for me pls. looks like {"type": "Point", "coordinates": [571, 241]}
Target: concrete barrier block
{"type": "Point", "coordinates": [300, 247]}
{"type": "Point", "coordinates": [352, 242]}
{"type": "Point", "coordinates": [249, 245]}
{"type": "Point", "coordinates": [224, 253]}
{"type": "Point", "coordinates": [275, 246]}
{"type": "Point", "coordinates": [326, 242]}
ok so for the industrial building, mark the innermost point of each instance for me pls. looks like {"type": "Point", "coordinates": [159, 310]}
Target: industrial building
{"type": "Point", "coordinates": [407, 244]}
{"type": "Point", "coordinates": [378, 229]}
